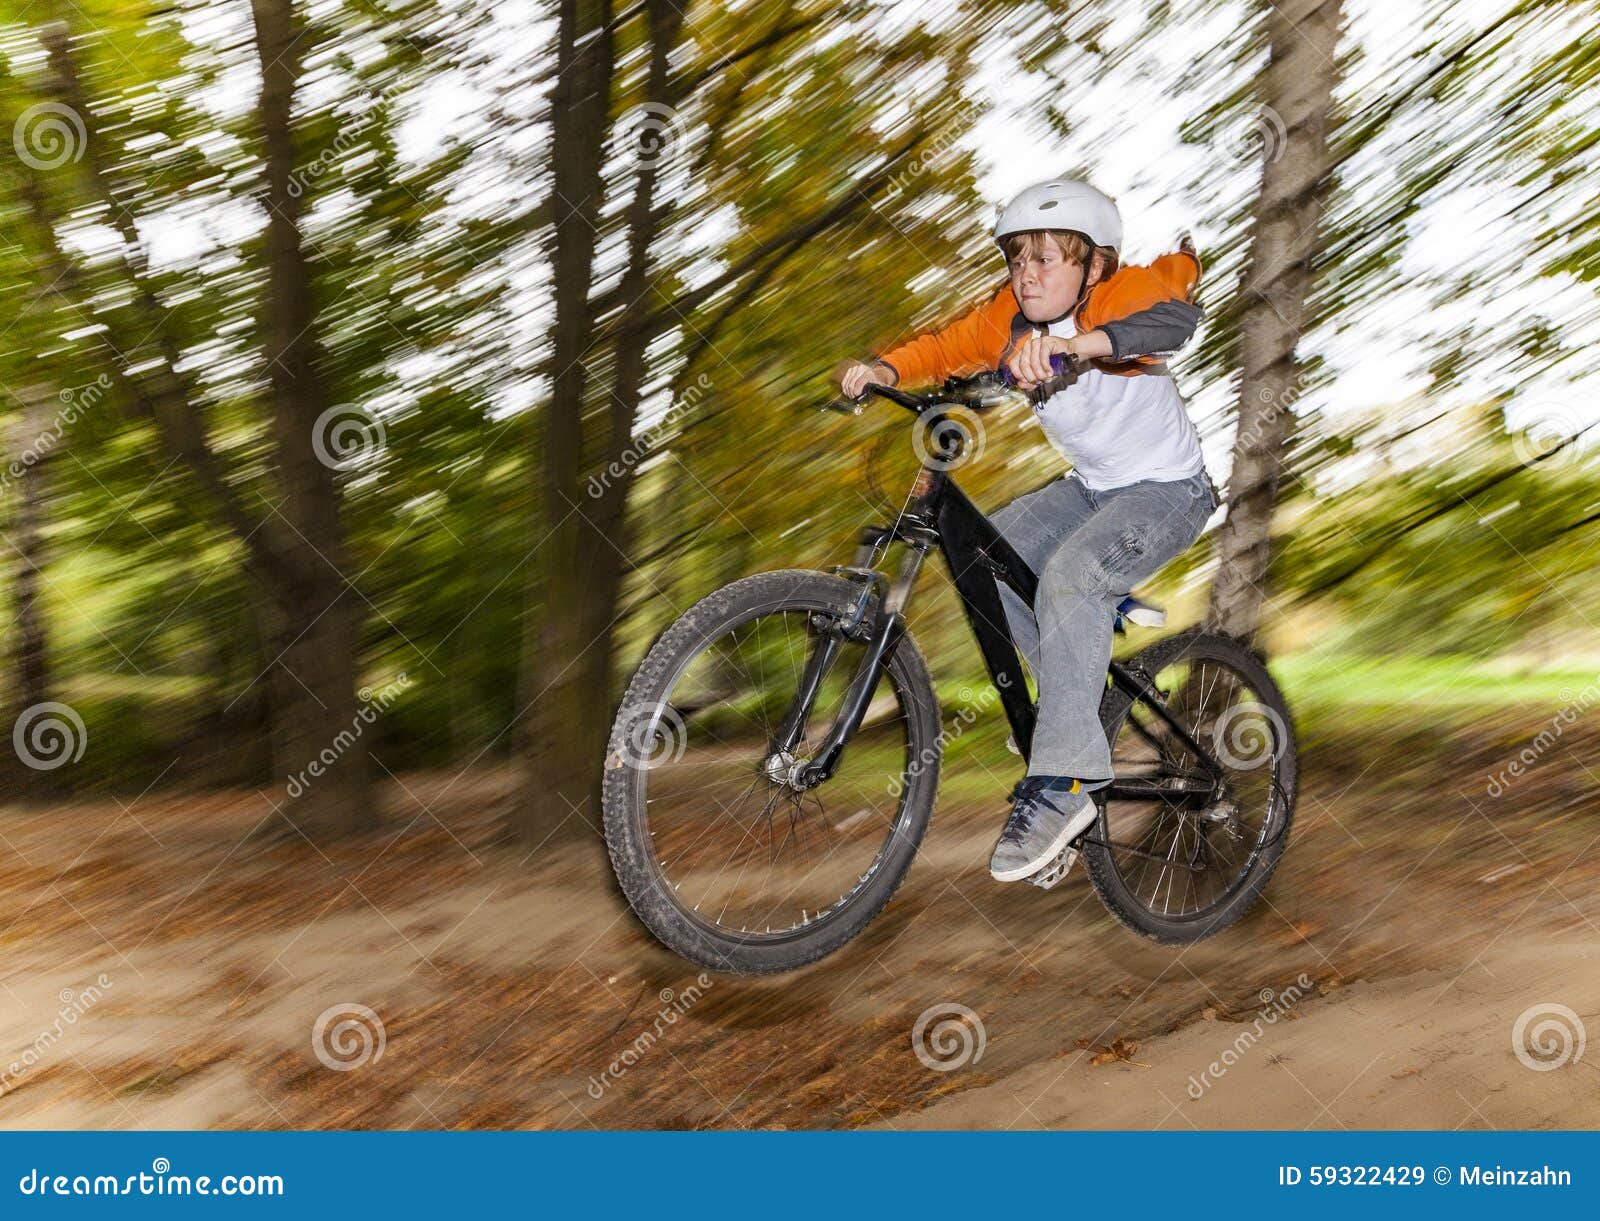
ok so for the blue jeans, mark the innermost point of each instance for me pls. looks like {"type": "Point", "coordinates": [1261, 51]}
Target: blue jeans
{"type": "Point", "coordinates": [1090, 549]}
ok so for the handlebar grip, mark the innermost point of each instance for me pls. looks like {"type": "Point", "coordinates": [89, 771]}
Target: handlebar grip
{"type": "Point", "coordinates": [1065, 371]}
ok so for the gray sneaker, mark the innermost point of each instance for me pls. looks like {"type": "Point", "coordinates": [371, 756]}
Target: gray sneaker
{"type": "Point", "coordinates": [1040, 825]}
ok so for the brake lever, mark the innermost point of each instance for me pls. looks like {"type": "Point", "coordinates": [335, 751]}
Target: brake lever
{"type": "Point", "coordinates": [845, 406]}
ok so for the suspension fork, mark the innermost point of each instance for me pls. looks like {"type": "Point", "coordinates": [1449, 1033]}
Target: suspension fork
{"type": "Point", "coordinates": [884, 636]}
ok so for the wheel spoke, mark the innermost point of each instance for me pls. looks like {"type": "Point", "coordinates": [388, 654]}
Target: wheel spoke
{"type": "Point", "coordinates": [734, 843]}
{"type": "Point", "coordinates": [1182, 859]}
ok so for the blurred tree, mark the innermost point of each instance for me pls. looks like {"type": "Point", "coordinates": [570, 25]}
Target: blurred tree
{"type": "Point", "coordinates": [676, 123]}
{"type": "Point", "coordinates": [1296, 93]}
{"type": "Point", "coordinates": [243, 356]}
{"type": "Point", "coordinates": [28, 481]}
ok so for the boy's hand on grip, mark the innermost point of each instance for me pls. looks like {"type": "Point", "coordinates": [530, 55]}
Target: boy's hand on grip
{"type": "Point", "coordinates": [1030, 363]}
{"type": "Point", "coordinates": [854, 377]}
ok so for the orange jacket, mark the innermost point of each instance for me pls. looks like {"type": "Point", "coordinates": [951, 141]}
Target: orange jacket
{"type": "Point", "coordinates": [983, 338]}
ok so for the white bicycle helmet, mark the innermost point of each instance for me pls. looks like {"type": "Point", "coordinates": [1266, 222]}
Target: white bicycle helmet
{"type": "Point", "coordinates": [1063, 203]}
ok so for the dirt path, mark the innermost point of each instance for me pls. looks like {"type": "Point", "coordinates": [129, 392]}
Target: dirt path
{"type": "Point", "coordinates": [1431, 1050]}
{"type": "Point", "coordinates": [162, 968]}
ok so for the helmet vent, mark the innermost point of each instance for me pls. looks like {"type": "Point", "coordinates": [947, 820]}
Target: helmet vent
{"type": "Point", "coordinates": [1047, 205]}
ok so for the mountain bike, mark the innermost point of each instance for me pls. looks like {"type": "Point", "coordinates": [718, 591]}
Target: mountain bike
{"type": "Point", "coordinates": [772, 769]}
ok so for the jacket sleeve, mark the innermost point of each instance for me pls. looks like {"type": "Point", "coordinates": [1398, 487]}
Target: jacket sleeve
{"type": "Point", "coordinates": [1146, 309]}
{"type": "Point", "coordinates": [1164, 327]}
{"type": "Point", "coordinates": [972, 342]}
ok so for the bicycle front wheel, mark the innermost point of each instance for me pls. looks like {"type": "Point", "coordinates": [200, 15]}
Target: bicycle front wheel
{"type": "Point", "coordinates": [721, 854]}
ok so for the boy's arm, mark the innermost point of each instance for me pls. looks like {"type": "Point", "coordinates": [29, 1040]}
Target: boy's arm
{"type": "Point", "coordinates": [972, 342]}
{"type": "Point", "coordinates": [1164, 327]}
{"type": "Point", "coordinates": [1145, 310]}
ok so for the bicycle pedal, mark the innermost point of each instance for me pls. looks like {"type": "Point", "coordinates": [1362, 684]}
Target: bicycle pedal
{"type": "Point", "coordinates": [1055, 870]}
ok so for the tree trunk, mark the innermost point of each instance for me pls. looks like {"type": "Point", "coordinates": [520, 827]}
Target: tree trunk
{"type": "Point", "coordinates": [1297, 90]}
{"type": "Point", "coordinates": [315, 617]}
{"type": "Point", "coordinates": [320, 734]}
{"type": "Point", "coordinates": [554, 730]}
{"type": "Point", "coordinates": [567, 703]}
{"type": "Point", "coordinates": [26, 456]}
{"type": "Point", "coordinates": [29, 480]}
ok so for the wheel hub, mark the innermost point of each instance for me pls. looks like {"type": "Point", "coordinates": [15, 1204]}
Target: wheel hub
{"type": "Point", "coordinates": [1224, 814]}
{"type": "Point", "coordinates": [783, 768]}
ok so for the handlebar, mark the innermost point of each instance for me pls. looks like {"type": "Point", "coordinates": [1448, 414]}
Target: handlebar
{"type": "Point", "coordinates": [980, 392]}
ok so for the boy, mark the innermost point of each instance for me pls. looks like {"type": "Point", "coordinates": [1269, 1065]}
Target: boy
{"type": "Point", "coordinates": [1137, 496]}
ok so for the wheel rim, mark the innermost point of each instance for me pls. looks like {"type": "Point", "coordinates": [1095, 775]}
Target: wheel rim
{"type": "Point", "coordinates": [1182, 859]}
{"type": "Point", "coordinates": [736, 847]}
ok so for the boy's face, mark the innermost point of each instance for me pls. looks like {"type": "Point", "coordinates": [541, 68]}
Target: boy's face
{"type": "Point", "coordinates": [1044, 281]}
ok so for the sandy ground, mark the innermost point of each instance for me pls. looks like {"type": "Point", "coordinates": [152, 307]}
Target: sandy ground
{"type": "Point", "coordinates": [162, 967]}
{"type": "Point", "coordinates": [1431, 1050]}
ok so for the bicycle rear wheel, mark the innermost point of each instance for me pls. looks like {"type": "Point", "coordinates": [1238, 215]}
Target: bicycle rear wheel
{"type": "Point", "coordinates": [722, 856]}
{"type": "Point", "coordinates": [1180, 853]}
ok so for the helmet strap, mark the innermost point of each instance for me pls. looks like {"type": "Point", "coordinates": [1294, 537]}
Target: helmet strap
{"type": "Point", "coordinates": [1083, 290]}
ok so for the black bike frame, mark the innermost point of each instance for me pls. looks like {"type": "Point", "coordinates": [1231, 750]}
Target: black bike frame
{"type": "Point", "coordinates": [939, 513]}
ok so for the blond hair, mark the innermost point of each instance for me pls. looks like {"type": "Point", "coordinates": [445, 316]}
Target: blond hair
{"type": "Point", "coordinates": [1073, 246]}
